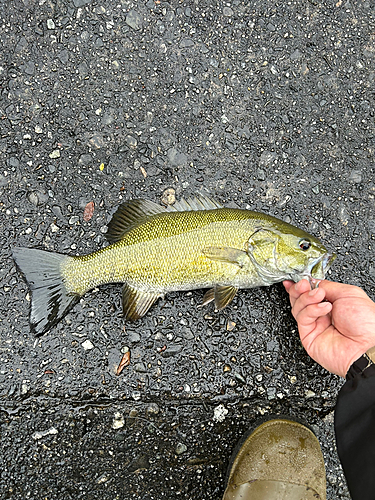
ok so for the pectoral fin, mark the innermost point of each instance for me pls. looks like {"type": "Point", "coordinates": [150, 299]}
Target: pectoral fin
{"type": "Point", "coordinates": [136, 303]}
{"type": "Point", "coordinates": [222, 295]}
{"type": "Point", "coordinates": [227, 254]}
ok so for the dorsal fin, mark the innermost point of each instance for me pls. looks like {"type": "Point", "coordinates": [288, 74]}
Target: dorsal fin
{"type": "Point", "coordinates": [133, 212]}
{"type": "Point", "coordinates": [129, 215]}
{"type": "Point", "coordinates": [199, 202]}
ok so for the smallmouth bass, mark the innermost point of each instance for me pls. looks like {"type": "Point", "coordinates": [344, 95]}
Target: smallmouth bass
{"type": "Point", "coordinates": [196, 243]}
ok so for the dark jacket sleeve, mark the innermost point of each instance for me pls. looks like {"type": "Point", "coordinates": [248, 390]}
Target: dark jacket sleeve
{"type": "Point", "coordinates": [355, 429]}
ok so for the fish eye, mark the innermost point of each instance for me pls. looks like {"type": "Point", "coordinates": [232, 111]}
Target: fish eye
{"type": "Point", "coordinates": [304, 244]}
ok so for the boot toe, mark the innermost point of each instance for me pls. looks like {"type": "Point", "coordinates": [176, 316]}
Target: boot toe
{"type": "Point", "coordinates": [280, 459]}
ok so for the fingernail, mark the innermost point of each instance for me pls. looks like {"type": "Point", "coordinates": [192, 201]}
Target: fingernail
{"type": "Point", "coordinates": [298, 286]}
{"type": "Point", "coordinates": [323, 304]}
{"type": "Point", "coordinates": [313, 292]}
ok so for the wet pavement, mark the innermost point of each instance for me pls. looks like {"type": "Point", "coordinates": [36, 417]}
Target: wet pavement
{"type": "Point", "coordinates": [260, 105]}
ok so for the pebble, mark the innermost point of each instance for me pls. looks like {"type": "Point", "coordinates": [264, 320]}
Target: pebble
{"type": "Point", "coordinates": [83, 69]}
{"type": "Point", "coordinates": [188, 334]}
{"type": "Point", "coordinates": [355, 176]}
{"type": "Point", "coordinates": [228, 12]}
{"type": "Point", "coordinates": [172, 351]}
{"type": "Point", "coordinates": [239, 377]}
{"type": "Point", "coordinates": [220, 413]}
{"type": "Point", "coordinates": [294, 56]}
{"type": "Point", "coordinates": [176, 158]}
{"type": "Point", "coordinates": [73, 219]}
{"type": "Point", "coordinates": [57, 211]}
{"type": "Point", "coordinates": [55, 154]}
{"type": "Point", "coordinates": [50, 24]}
{"type": "Point", "coordinates": [140, 367]}
{"type": "Point", "coordinates": [102, 479]}
{"type": "Point", "coordinates": [80, 3]}
{"type": "Point", "coordinates": [13, 162]}
{"type": "Point", "coordinates": [267, 157]}
{"type": "Point", "coordinates": [87, 345]}
{"type": "Point", "coordinates": [271, 392]}
{"type": "Point", "coordinates": [134, 20]}
{"type": "Point", "coordinates": [230, 325]}
{"type": "Point", "coordinates": [275, 72]}
{"type": "Point", "coordinates": [261, 174]}
{"type": "Point", "coordinates": [152, 409]}
{"type": "Point", "coordinates": [169, 196]}
{"type": "Point", "coordinates": [85, 159]}
{"type": "Point", "coordinates": [29, 68]}
{"type": "Point", "coordinates": [33, 198]}
{"type": "Point", "coordinates": [134, 337]}
{"type": "Point", "coordinates": [136, 395]}
{"type": "Point", "coordinates": [97, 140]}
{"type": "Point", "coordinates": [131, 141]}
{"type": "Point", "coordinates": [24, 388]}
{"type": "Point", "coordinates": [63, 56]}
{"type": "Point", "coordinates": [49, 432]}
{"type": "Point", "coordinates": [185, 43]}
{"type": "Point", "coordinates": [309, 393]}
{"type": "Point", "coordinates": [181, 448]}
{"type": "Point", "coordinates": [118, 421]}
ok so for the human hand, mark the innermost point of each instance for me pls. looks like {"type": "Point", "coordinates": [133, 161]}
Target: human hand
{"type": "Point", "coordinates": [339, 330]}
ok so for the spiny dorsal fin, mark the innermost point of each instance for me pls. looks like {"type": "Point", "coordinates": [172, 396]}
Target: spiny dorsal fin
{"type": "Point", "coordinates": [136, 303]}
{"type": "Point", "coordinates": [129, 215]}
{"type": "Point", "coordinates": [200, 202]}
{"type": "Point", "coordinates": [132, 213]}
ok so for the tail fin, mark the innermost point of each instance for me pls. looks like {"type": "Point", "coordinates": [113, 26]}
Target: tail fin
{"type": "Point", "coordinates": [50, 300]}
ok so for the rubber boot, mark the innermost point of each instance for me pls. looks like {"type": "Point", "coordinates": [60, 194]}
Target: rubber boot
{"type": "Point", "coordinates": [280, 460]}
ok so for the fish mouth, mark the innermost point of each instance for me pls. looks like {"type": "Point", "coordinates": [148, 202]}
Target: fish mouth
{"type": "Point", "coordinates": [318, 268]}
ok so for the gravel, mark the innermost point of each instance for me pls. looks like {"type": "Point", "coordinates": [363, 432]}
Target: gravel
{"type": "Point", "coordinates": [261, 105]}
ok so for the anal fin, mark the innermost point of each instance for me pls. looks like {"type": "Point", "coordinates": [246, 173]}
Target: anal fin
{"type": "Point", "coordinates": [208, 297]}
{"type": "Point", "coordinates": [221, 294]}
{"type": "Point", "coordinates": [136, 303]}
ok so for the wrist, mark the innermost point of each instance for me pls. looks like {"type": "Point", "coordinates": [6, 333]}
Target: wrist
{"type": "Point", "coordinates": [370, 354]}
{"type": "Point", "coordinates": [362, 364]}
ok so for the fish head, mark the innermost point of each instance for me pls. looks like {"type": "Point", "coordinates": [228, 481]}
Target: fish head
{"type": "Point", "coordinates": [288, 253]}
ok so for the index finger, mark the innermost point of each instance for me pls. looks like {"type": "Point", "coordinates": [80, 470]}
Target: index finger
{"type": "Point", "coordinates": [296, 290]}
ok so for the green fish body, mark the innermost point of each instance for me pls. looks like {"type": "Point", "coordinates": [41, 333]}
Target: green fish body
{"type": "Point", "coordinates": [153, 250]}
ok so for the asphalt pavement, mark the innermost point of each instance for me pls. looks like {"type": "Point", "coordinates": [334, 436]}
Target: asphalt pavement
{"type": "Point", "coordinates": [257, 104]}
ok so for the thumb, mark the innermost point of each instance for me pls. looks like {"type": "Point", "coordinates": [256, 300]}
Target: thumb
{"type": "Point", "coordinates": [336, 291]}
